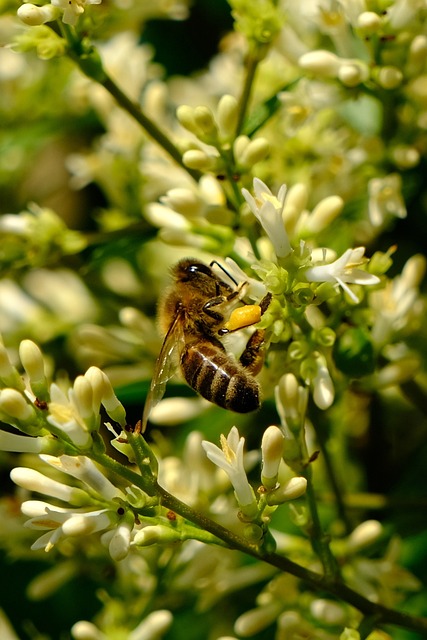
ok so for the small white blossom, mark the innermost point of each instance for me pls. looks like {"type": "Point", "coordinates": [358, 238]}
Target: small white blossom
{"type": "Point", "coordinates": [268, 210]}
{"type": "Point", "coordinates": [342, 271]}
{"type": "Point", "coordinates": [60, 522]}
{"type": "Point", "coordinates": [73, 8]}
{"type": "Point", "coordinates": [385, 199]}
{"type": "Point", "coordinates": [230, 459]}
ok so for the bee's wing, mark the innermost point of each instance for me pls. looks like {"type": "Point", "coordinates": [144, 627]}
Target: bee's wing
{"type": "Point", "coordinates": [165, 367]}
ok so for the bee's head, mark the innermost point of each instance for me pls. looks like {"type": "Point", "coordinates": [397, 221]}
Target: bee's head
{"type": "Point", "coordinates": [192, 270]}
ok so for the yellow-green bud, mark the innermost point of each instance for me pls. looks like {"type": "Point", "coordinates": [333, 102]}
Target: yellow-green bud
{"type": "Point", "coordinates": [390, 77]}
{"type": "Point", "coordinates": [198, 159]}
{"type": "Point", "coordinates": [227, 114]}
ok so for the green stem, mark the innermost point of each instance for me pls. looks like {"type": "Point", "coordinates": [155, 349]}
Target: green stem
{"type": "Point", "coordinates": [319, 540]}
{"type": "Point", "coordinates": [89, 62]}
{"type": "Point", "coordinates": [251, 67]}
{"type": "Point", "coordinates": [330, 584]}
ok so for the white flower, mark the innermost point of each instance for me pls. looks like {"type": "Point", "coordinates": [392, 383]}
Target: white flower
{"type": "Point", "coordinates": [399, 304]}
{"type": "Point", "coordinates": [62, 522]}
{"type": "Point", "coordinates": [344, 270]}
{"type": "Point", "coordinates": [385, 198]}
{"type": "Point", "coordinates": [268, 210]}
{"type": "Point", "coordinates": [230, 459]}
{"type": "Point", "coordinates": [73, 8]}
{"type": "Point", "coordinates": [81, 518]}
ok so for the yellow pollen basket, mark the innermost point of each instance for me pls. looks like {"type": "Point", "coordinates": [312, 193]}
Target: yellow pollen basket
{"type": "Point", "coordinates": [243, 317]}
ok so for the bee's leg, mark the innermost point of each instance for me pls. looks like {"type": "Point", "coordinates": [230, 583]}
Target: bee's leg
{"type": "Point", "coordinates": [219, 300]}
{"type": "Point", "coordinates": [264, 304]}
{"type": "Point", "coordinates": [252, 357]}
{"type": "Point", "coordinates": [214, 302]}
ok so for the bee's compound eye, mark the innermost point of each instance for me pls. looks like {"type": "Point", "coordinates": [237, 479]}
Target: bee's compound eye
{"type": "Point", "coordinates": [199, 267]}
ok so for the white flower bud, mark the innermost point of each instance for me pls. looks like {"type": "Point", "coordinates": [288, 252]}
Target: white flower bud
{"type": "Point", "coordinates": [352, 73]}
{"type": "Point", "coordinates": [291, 490]}
{"type": "Point", "coordinates": [155, 534]}
{"type": "Point", "coordinates": [47, 583]}
{"type": "Point", "coordinates": [414, 270]}
{"type": "Point", "coordinates": [368, 22]}
{"type": "Point", "coordinates": [84, 630]}
{"type": "Point", "coordinates": [120, 542]}
{"type": "Point", "coordinates": [272, 451]}
{"type": "Point", "coordinates": [154, 626]}
{"type": "Point", "coordinates": [363, 535]}
{"type": "Point", "coordinates": [406, 157]}
{"type": "Point", "coordinates": [198, 159]}
{"type": "Point", "coordinates": [83, 397]}
{"type": "Point", "coordinates": [227, 114]}
{"type": "Point", "coordinates": [398, 372]}
{"type": "Point", "coordinates": [328, 612]}
{"type": "Point", "coordinates": [254, 152]}
{"type": "Point", "coordinates": [112, 404]}
{"type": "Point", "coordinates": [240, 145]}
{"type": "Point", "coordinates": [33, 15]}
{"type": "Point", "coordinates": [185, 115]}
{"type": "Point", "coordinates": [33, 480]}
{"type": "Point", "coordinates": [324, 213]}
{"type": "Point", "coordinates": [23, 444]}
{"type": "Point", "coordinates": [172, 411]}
{"type": "Point", "coordinates": [86, 523]}
{"type": "Point", "coordinates": [321, 62]}
{"type": "Point", "coordinates": [390, 77]}
{"type": "Point", "coordinates": [203, 117]}
{"type": "Point", "coordinates": [255, 620]}
{"type": "Point", "coordinates": [418, 49]}
{"type": "Point", "coordinates": [32, 360]}
{"type": "Point", "coordinates": [13, 404]}
{"type": "Point", "coordinates": [184, 201]}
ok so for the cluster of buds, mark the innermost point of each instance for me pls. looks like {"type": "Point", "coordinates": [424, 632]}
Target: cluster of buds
{"type": "Point", "coordinates": [219, 150]}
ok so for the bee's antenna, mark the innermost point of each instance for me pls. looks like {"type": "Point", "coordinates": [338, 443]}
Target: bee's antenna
{"type": "Point", "coordinates": [224, 270]}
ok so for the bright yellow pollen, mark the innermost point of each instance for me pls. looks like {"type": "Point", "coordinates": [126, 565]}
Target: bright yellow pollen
{"type": "Point", "coordinates": [243, 317]}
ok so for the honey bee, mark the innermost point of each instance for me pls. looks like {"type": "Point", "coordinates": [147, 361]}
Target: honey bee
{"type": "Point", "coordinates": [197, 310]}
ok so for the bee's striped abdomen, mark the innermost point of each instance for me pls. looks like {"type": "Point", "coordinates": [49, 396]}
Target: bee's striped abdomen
{"type": "Point", "coordinates": [218, 378]}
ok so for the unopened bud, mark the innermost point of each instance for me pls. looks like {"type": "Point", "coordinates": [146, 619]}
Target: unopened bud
{"type": "Point", "coordinates": [364, 535]}
{"type": "Point", "coordinates": [185, 115]}
{"type": "Point", "coordinates": [324, 213]}
{"type": "Point", "coordinates": [203, 117]}
{"type": "Point", "coordinates": [155, 534]}
{"type": "Point", "coordinates": [13, 404]}
{"type": "Point", "coordinates": [406, 157]}
{"type": "Point", "coordinates": [227, 114]}
{"type": "Point", "coordinates": [390, 77]}
{"type": "Point", "coordinates": [353, 73]}
{"type": "Point", "coordinates": [291, 490]}
{"type": "Point", "coordinates": [328, 611]}
{"type": "Point", "coordinates": [254, 152]}
{"type": "Point", "coordinates": [198, 159]}
{"type": "Point", "coordinates": [368, 22]}
{"type": "Point", "coordinates": [272, 451]}
{"type": "Point", "coordinates": [33, 363]}
{"type": "Point", "coordinates": [33, 15]}
{"type": "Point", "coordinates": [322, 63]}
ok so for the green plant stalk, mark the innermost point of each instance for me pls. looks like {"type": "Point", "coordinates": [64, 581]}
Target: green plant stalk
{"type": "Point", "coordinates": [328, 583]}
{"type": "Point", "coordinates": [87, 59]}
{"type": "Point", "coordinates": [251, 67]}
{"type": "Point", "coordinates": [319, 540]}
